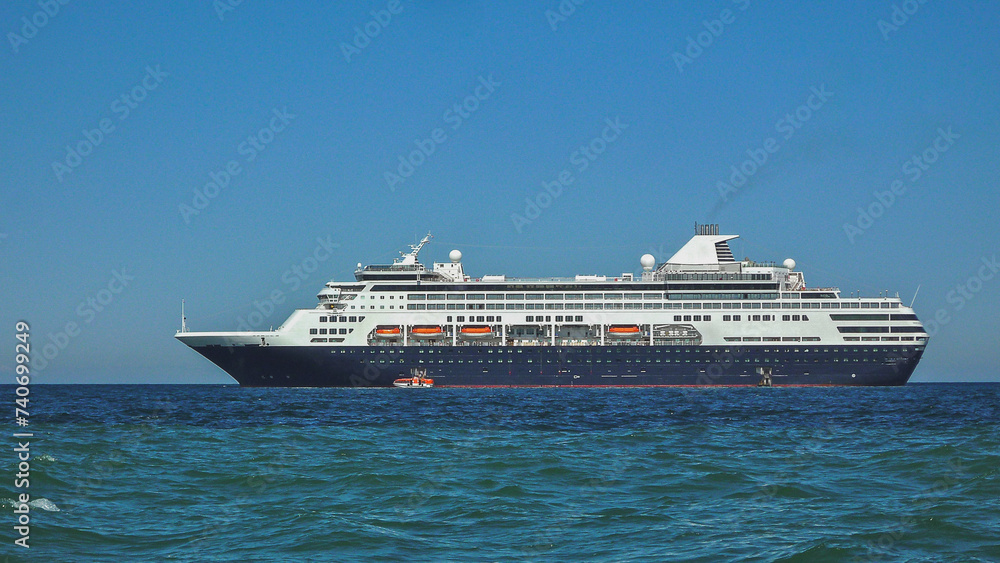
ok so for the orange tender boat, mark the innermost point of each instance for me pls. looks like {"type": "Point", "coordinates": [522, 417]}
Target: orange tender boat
{"type": "Point", "coordinates": [419, 380]}
{"type": "Point", "coordinates": [414, 382]}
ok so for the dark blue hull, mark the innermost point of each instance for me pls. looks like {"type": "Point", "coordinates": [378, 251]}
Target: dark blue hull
{"type": "Point", "coordinates": [572, 366]}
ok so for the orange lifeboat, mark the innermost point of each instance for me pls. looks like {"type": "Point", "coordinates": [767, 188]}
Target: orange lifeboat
{"type": "Point", "coordinates": [388, 332]}
{"type": "Point", "coordinates": [476, 331]}
{"type": "Point", "coordinates": [624, 331]}
{"type": "Point", "coordinates": [426, 332]}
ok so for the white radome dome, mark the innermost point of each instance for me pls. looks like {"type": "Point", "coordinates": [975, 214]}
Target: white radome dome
{"type": "Point", "coordinates": [648, 261]}
{"type": "Point", "coordinates": [455, 256]}
{"type": "Point", "coordinates": [789, 263]}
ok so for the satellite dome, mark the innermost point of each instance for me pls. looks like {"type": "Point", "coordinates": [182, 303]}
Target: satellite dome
{"type": "Point", "coordinates": [647, 261]}
{"type": "Point", "coordinates": [789, 263]}
{"type": "Point", "coordinates": [455, 256]}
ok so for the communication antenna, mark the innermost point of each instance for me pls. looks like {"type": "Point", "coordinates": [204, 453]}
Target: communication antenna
{"type": "Point", "coordinates": [914, 296]}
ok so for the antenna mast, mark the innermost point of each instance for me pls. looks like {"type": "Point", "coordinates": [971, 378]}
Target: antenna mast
{"type": "Point", "coordinates": [411, 257]}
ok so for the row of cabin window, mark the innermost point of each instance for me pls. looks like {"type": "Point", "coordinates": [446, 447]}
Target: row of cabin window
{"type": "Point", "coordinates": [477, 319]}
{"type": "Point", "coordinates": [714, 277]}
{"type": "Point", "coordinates": [559, 297]}
{"type": "Point", "coordinates": [332, 331]}
{"type": "Point", "coordinates": [688, 318]}
{"type": "Point", "coordinates": [885, 338]}
{"type": "Point", "coordinates": [611, 350]}
{"type": "Point", "coordinates": [347, 319]}
{"type": "Point", "coordinates": [764, 317]}
{"type": "Point", "coordinates": [635, 361]}
{"type": "Point", "coordinates": [773, 339]}
{"type": "Point", "coordinates": [579, 296]}
{"type": "Point", "coordinates": [638, 361]}
{"type": "Point", "coordinates": [641, 361]}
{"type": "Point", "coordinates": [554, 306]}
{"type": "Point", "coordinates": [559, 319]}
{"type": "Point", "coordinates": [528, 319]}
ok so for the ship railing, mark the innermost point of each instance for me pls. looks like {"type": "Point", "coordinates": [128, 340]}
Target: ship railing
{"type": "Point", "coordinates": [807, 289]}
{"type": "Point", "coordinates": [393, 268]}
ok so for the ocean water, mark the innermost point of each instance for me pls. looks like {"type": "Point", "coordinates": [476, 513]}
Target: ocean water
{"type": "Point", "coordinates": [222, 473]}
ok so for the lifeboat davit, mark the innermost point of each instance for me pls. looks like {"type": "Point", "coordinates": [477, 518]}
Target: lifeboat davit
{"type": "Point", "coordinates": [388, 332]}
{"type": "Point", "coordinates": [426, 332]}
{"type": "Point", "coordinates": [477, 331]}
{"type": "Point", "coordinates": [624, 331]}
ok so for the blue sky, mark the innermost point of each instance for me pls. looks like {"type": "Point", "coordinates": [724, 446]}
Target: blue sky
{"type": "Point", "coordinates": [117, 117]}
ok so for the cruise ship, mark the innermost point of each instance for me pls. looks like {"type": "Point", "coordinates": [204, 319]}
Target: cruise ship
{"type": "Point", "coordinates": [701, 318]}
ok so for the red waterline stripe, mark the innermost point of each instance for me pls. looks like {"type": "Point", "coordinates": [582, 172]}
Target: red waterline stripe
{"type": "Point", "coordinates": [628, 386]}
